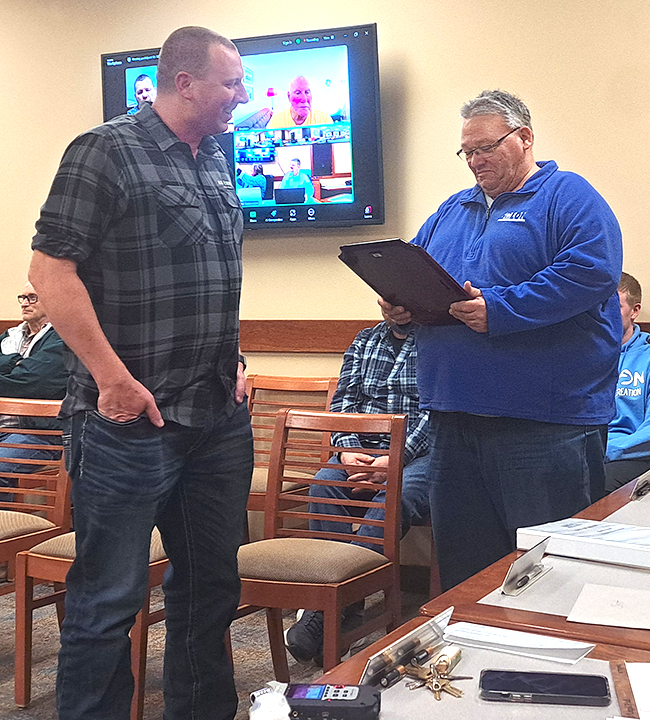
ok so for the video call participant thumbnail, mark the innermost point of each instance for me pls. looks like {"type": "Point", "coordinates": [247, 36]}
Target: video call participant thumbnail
{"type": "Point", "coordinates": [299, 111]}
{"type": "Point", "coordinates": [297, 178]}
{"type": "Point", "coordinates": [144, 91]}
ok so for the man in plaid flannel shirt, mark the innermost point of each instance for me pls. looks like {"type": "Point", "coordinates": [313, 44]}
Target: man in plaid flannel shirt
{"type": "Point", "coordinates": [138, 262]}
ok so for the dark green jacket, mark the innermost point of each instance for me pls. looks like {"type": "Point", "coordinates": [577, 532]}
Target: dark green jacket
{"type": "Point", "coordinates": [42, 375]}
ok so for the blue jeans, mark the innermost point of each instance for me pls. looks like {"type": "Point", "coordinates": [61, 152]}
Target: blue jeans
{"type": "Point", "coordinates": [193, 484]}
{"type": "Point", "coordinates": [491, 475]}
{"type": "Point", "coordinates": [24, 453]}
{"type": "Point", "coordinates": [415, 501]}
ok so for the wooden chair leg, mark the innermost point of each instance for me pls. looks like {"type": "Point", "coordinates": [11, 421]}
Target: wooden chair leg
{"type": "Point", "coordinates": [23, 657]}
{"type": "Point", "coordinates": [139, 636]}
{"type": "Point", "coordinates": [331, 638]}
{"type": "Point", "coordinates": [227, 642]}
{"type": "Point", "coordinates": [276, 641]}
{"type": "Point", "coordinates": [60, 604]}
{"type": "Point", "coordinates": [393, 601]}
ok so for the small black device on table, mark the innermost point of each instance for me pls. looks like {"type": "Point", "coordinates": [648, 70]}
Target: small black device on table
{"type": "Point", "coordinates": [333, 702]}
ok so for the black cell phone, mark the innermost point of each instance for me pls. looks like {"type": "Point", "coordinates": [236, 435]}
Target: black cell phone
{"type": "Point", "coordinates": [544, 687]}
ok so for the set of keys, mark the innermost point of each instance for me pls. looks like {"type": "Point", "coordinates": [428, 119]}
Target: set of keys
{"type": "Point", "coordinates": [435, 681]}
{"type": "Point", "coordinates": [437, 675]}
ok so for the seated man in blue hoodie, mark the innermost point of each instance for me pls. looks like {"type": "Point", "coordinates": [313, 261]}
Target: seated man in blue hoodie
{"type": "Point", "coordinates": [628, 437]}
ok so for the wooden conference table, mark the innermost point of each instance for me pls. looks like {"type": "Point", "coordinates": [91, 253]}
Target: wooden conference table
{"type": "Point", "coordinates": [615, 645]}
{"type": "Point", "coordinates": [465, 598]}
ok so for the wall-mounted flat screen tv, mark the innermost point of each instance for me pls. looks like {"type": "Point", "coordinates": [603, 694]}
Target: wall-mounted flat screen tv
{"type": "Point", "coordinates": [305, 151]}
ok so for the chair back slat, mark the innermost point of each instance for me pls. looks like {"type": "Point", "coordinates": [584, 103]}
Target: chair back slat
{"type": "Point", "coordinates": [31, 408]}
{"type": "Point", "coordinates": [44, 487]}
{"type": "Point", "coordinates": [284, 519]}
{"type": "Point", "coordinates": [269, 393]}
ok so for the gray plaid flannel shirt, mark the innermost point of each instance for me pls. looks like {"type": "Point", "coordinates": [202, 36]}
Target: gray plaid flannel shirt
{"type": "Point", "coordinates": [156, 236]}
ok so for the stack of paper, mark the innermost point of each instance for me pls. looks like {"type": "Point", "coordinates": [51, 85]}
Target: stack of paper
{"type": "Point", "coordinates": [591, 540]}
{"type": "Point", "coordinates": [639, 674]}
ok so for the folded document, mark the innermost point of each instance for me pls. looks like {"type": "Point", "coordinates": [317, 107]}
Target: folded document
{"type": "Point", "coordinates": [515, 642]}
{"type": "Point", "coordinates": [612, 606]}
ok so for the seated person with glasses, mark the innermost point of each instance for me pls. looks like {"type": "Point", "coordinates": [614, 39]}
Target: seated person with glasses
{"type": "Point", "coordinates": [31, 366]}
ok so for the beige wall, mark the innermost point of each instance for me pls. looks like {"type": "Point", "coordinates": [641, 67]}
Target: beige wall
{"type": "Point", "coordinates": [581, 65]}
{"type": "Point", "coordinates": [307, 364]}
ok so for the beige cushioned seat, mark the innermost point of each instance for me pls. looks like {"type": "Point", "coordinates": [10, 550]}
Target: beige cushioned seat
{"type": "Point", "coordinates": [13, 524]}
{"type": "Point", "coordinates": [260, 474]}
{"type": "Point", "coordinates": [305, 560]}
{"type": "Point", "coordinates": [63, 546]}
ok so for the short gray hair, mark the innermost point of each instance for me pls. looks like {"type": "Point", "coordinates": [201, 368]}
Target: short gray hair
{"type": "Point", "coordinates": [498, 102]}
{"type": "Point", "coordinates": [187, 49]}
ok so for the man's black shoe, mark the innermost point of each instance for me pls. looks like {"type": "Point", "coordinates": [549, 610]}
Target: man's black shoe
{"type": "Point", "coordinates": [304, 639]}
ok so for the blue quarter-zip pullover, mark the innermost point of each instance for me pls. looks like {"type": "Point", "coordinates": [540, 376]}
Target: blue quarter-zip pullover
{"type": "Point", "coordinates": [548, 260]}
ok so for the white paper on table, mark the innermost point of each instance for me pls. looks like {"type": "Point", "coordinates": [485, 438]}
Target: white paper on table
{"type": "Point", "coordinates": [614, 606]}
{"type": "Point", "coordinates": [639, 674]}
{"type": "Point", "coordinates": [516, 642]}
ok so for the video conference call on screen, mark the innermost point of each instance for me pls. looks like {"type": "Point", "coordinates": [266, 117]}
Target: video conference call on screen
{"type": "Point", "coordinates": [306, 149]}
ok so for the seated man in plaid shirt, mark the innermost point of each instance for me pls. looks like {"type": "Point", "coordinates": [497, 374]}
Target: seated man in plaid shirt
{"type": "Point", "coordinates": [378, 376]}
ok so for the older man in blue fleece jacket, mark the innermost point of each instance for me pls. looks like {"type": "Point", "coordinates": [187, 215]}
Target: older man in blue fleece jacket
{"type": "Point", "coordinates": [520, 391]}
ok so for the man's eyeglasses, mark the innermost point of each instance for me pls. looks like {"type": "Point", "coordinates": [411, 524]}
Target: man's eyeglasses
{"type": "Point", "coordinates": [31, 299]}
{"type": "Point", "coordinates": [486, 149]}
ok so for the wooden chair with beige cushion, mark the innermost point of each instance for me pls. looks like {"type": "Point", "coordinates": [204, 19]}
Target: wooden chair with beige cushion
{"type": "Point", "coordinates": [38, 507]}
{"type": "Point", "coordinates": [294, 567]}
{"type": "Point", "coordinates": [266, 395]}
{"type": "Point", "coordinates": [50, 561]}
